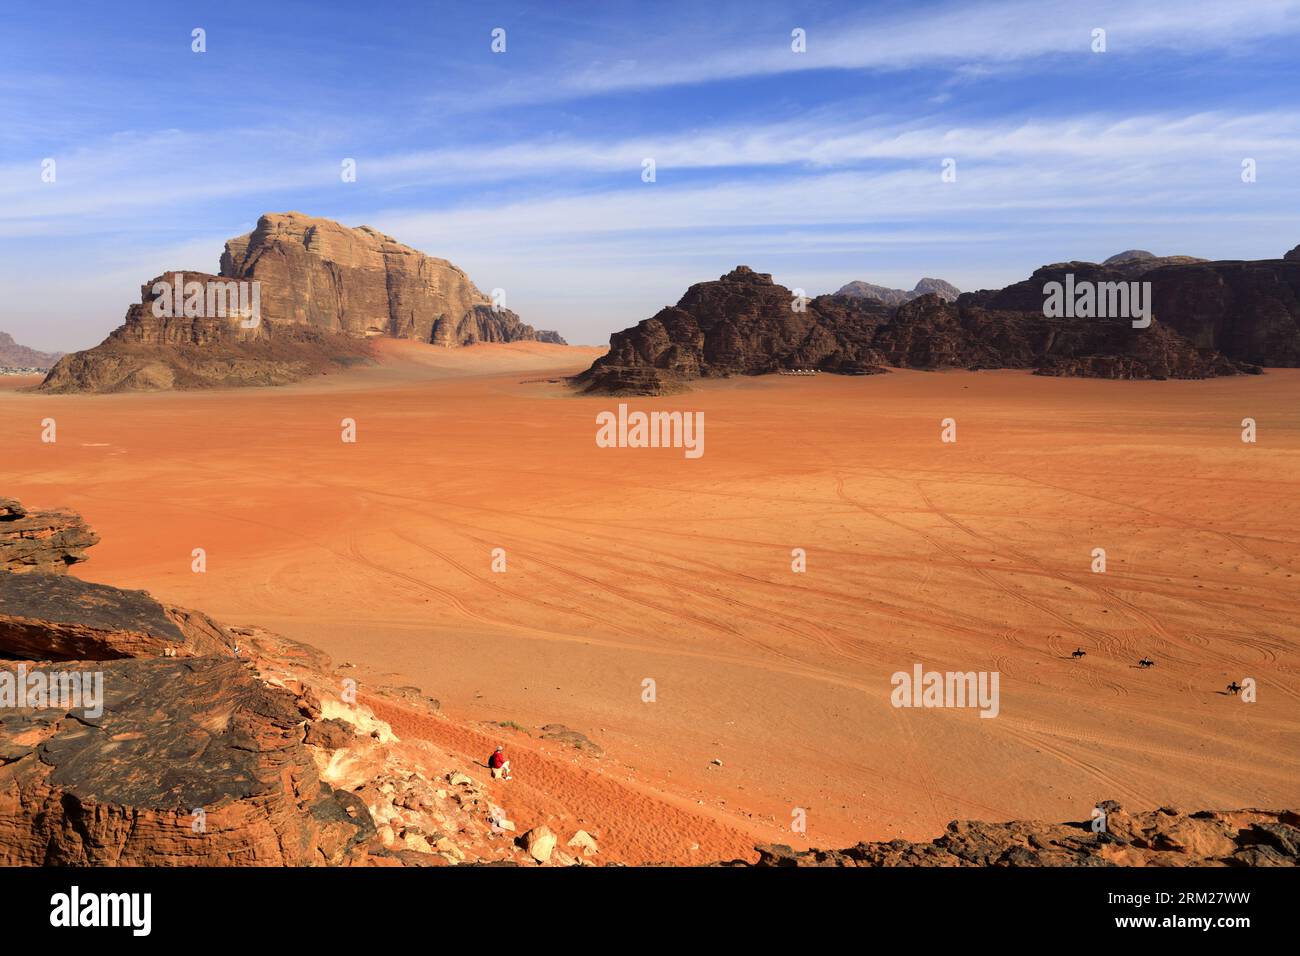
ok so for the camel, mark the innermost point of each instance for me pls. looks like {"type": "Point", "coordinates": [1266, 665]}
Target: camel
{"type": "Point", "coordinates": [1233, 688]}
{"type": "Point", "coordinates": [1146, 662]}
{"type": "Point", "coordinates": [1078, 652]}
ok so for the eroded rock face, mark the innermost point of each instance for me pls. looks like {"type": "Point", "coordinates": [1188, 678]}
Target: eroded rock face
{"type": "Point", "coordinates": [742, 324]}
{"type": "Point", "coordinates": [928, 333]}
{"type": "Point", "coordinates": [1164, 837]}
{"type": "Point", "coordinates": [44, 541]}
{"type": "Point", "coordinates": [1249, 312]}
{"type": "Point", "coordinates": [320, 273]}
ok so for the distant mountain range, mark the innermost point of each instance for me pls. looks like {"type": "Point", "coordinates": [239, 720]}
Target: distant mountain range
{"type": "Point", "coordinates": [13, 355]}
{"type": "Point", "coordinates": [1210, 318]}
{"type": "Point", "coordinates": [865, 290]}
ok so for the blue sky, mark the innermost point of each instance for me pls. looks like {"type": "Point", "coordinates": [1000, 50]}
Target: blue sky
{"type": "Point", "coordinates": [524, 167]}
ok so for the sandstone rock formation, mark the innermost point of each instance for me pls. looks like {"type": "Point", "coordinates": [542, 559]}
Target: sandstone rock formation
{"type": "Point", "coordinates": [895, 297]}
{"type": "Point", "coordinates": [1164, 837]}
{"type": "Point", "coordinates": [320, 273]}
{"type": "Point", "coordinates": [744, 324]}
{"type": "Point", "coordinates": [324, 288]}
{"type": "Point", "coordinates": [13, 355]}
{"type": "Point", "coordinates": [47, 541]}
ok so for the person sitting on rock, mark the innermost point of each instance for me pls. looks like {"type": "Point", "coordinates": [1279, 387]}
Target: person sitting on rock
{"type": "Point", "coordinates": [499, 765]}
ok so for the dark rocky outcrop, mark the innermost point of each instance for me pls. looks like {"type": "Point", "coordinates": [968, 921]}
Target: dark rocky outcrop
{"type": "Point", "coordinates": [175, 736]}
{"type": "Point", "coordinates": [1209, 319]}
{"type": "Point", "coordinates": [931, 334]}
{"type": "Point", "coordinates": [742, 324]}
{"type": "Point", "coordinates": [44, 541]}
{"type": "Point", "coordinates": [1164, 837]}
{"type": "Point", "coordinates": [62, 618]}
{"type": "Point", "coordinates": [1247, 311]}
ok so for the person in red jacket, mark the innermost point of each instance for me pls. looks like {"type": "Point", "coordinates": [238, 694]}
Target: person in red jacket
{"type": "Point", "coordinates": [499, 765]}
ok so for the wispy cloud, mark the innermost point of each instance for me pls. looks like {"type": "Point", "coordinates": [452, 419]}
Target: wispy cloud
{"type": "Point", "coordinates": [970, 37]}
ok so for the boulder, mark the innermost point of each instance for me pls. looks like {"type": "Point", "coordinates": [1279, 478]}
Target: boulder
{"type": "Point", "coordinates": [539, 842]}
{"type": "Point", "coordinates": [584, 842]}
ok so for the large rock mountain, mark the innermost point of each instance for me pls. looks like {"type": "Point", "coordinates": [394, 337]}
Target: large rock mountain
{"type": "Point", "coordinates": [318, 272]}
{"type": "Point", "coordinates": [13, 355]}
{"type": "Point", "coordinates": [324, 289]}
{"type": "Point", "coordinates": [1210, 318]}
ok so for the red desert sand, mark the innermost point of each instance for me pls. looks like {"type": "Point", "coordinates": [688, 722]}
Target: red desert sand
{"type": "Point", "coordinates": [772, 688]}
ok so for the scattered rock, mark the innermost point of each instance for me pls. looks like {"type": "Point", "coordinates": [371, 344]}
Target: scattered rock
{"type": "Point", "coordinates": [1164, 837]}
{"type": "Point", "coordinates": [585, 842]}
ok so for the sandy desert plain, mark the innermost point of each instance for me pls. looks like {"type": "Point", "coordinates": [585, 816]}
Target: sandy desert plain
{"type": "Point", "coordinates": [627, 564]}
